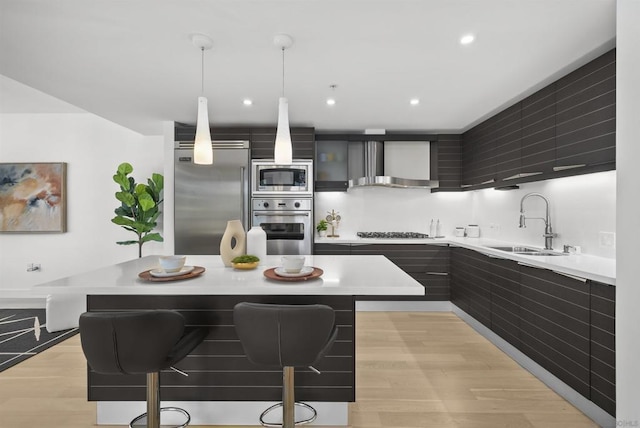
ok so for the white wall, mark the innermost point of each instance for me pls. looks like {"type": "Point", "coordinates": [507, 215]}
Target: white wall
{"type": "Point", "coordinates": [92, 148]}
{"type": "Point", "coordinates": [581, 207]}
{"type": "Point", "coordinates": [628, 217]}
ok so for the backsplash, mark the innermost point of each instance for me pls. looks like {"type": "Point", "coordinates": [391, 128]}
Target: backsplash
{"type": "Point", "coordinates": [580, 207]}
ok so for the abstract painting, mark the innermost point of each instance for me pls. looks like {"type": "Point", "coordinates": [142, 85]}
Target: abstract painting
{"type": "Point", "coordinates": [32, 197]}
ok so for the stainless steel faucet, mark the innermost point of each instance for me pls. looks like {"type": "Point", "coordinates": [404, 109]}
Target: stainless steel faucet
{"type": "Point", "coordinates": [548, 231]}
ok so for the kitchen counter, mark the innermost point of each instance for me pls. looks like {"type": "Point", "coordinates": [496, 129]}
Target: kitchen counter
{"type": "Point", "coordinates": [581, 265]}
{"type": "Point", "coordinates": [343, 275]}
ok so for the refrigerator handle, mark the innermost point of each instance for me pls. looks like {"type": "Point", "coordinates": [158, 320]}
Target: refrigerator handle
{"type": "Point", "coordinates": [244, 212]}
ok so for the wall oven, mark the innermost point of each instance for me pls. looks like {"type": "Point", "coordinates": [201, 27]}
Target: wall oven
{"type": "Point", "coordinates": [287, 222]}
{"type": "Point", "coordinates": [271, 179]}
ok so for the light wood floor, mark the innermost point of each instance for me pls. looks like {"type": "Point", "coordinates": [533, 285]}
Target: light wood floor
{"type": "Point", "coordinates": [413, 370]}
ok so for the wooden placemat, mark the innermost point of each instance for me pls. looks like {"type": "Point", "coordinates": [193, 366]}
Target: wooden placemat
{"type": "Point", "coordinates": [271, 274]}
{"type": "Point", "coordinates": [146, 275]}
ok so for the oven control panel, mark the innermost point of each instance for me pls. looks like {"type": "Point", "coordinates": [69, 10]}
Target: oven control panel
{"type": "Point", "coordinates": [273, 204]}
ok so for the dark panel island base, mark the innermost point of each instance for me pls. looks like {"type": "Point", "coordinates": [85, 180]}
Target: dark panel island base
{"type": "Point", "coordinates": [218, 369]}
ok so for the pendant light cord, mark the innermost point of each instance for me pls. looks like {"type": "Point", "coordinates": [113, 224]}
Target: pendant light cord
{"type": "Point", "coordinates": [283, 72]}
{"type": "Point", "coordinates": [202, 82]}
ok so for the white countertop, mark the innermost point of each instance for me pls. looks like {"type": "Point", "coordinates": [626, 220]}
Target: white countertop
{"type": "Point", "coordinates": [581, 265]}
{"type": "Point", "coordinates": [343, 275]}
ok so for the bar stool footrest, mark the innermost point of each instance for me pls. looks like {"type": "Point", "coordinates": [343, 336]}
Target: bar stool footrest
{"type": "Point", "coordinates": [297, 403]}
{"type": "Point", "coordinates": [141, 421]}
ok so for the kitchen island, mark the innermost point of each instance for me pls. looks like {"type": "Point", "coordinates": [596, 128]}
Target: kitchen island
{"type": "Point", "coordinates": [223, 387]}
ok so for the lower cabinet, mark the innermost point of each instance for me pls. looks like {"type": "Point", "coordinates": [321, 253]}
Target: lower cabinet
{"type": "Point", "coordinates": [603, 346]}
{"type": "Point", "coordinates": [565, 324]}
{"type": "Point", "coordinates": [471, 283]}
{"type": "Point", "coordinates": [555, 325]}
{"type": "Point", "coordinates": [427, 264]}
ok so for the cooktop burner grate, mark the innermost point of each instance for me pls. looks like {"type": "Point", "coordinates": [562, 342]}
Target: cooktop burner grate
{"type": "Point", "coordinates": [393, 235]}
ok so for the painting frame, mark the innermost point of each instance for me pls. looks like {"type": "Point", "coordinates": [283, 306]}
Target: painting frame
{"type": "Point", "coordinates": [33, 197]}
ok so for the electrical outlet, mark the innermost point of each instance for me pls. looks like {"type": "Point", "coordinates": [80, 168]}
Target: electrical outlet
{"type": "Point", "coordinates": [607, 239]}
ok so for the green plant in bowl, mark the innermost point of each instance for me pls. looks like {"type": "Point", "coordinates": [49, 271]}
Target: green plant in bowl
{"type": "Point", "coordinates": [247, 261]}
{"type": "Point", "coordinates": [322, 225]}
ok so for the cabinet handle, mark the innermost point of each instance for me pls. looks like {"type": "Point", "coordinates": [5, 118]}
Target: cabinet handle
{"type": "Point", "coordinates": [492, 256]}
{"type": "Point", "coordinates": [531, 266]}
{"type": "Point", "coordinates": [577, 278]}
{"type": "Point", "coordinates": [438, 273]}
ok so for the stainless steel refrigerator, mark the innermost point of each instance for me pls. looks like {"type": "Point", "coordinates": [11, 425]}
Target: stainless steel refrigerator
{"type": "Point", "coordinates": [207, 196]}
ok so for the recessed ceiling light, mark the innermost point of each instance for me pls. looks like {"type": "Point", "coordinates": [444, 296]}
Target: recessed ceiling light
{"type": "Point", "coordinates": [414, 101]}
{"type": "Point", "coordinates": [247, 102]}
{"type": "Point", "coordinates": [331, 101]}
{"type": "Point", "coordinates": [467, 39]}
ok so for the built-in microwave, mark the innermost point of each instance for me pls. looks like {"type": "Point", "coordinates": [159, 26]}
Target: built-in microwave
{"type": "Point", "coordinates": [269, 178]}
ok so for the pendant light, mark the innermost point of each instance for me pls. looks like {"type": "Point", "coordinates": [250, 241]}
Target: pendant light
{"type": "Point", "coordinates": [202, 150]}
{"type": "Point", "coordinates": [282, 151]}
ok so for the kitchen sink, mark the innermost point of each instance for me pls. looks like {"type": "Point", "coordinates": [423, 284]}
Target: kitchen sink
{"type": "Point", "coordinates": [528, 251]}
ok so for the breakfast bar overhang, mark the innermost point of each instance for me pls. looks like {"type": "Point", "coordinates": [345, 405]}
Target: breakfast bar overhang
{"type": "Point", "coordinates": [223, 387]}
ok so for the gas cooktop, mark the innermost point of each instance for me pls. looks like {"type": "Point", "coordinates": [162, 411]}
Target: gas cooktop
{"type": "Point", "coordinates": [393, 235]}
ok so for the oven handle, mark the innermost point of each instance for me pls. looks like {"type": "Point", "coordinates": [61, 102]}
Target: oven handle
{"type": "Point", "coordinates": [280, 214]}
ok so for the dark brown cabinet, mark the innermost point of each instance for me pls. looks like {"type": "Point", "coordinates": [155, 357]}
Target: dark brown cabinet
{"type": "Point", "coordinates": [566, 128]}
{"type": "Point", "coordinates": [449, 162]}
{"type": "Point", "coordinates": [263, 140]}
{"type": "Point", "coordinates": [565, 324]}
{"type": "Point", "coordinates": [505, 300]}
{"type": "Point", "coordinates": [332, 249]}
{"type": "Point", "coordinates": [538, 135]}
{"type": "Point", "coordinates": [471, 283]}
{"type": "Point", "coordinates": [586, 115]}
{"type": "Point", "coordinates": [603, 346]}
{"type": "Point", "coordinates": [555, 325]}
{"type": "Point", "coordinates": [427, 264]}
{"type": "Point", "coordinates": [184, 132]}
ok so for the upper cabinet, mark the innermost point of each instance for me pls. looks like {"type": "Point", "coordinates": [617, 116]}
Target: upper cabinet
{"type": "Point", "coordinates": [566, 128]}
{"type": "Point", "coordinates": [586, 115]}
{"type": "Point", "coordinates": [340, 158]}
{"type": "Point", "coordinates": [332, 165]}
{"type": "Point", "coordinates": [263, 140]}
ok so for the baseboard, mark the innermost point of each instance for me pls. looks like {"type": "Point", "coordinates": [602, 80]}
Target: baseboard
{"type": "Point", "coordinates": [586, 406]}
{"type": "Point", "coordinates": [402, 306]}
{"type": "Point", "coordinates": [12, 300]}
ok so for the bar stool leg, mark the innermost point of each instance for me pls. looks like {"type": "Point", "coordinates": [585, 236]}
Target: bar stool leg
{"type": "Point", "coordinates": [288, 399]}
{"type": "Point", "coordinates": [153, 400]}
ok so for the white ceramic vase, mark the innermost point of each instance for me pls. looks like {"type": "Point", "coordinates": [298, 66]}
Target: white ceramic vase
{"type": "Point", "coordinates": [257, 243]}
{"type": "Point", "coordinates": [235, 231]}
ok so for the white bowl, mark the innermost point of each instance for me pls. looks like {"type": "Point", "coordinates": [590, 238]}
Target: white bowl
{"type": "Point", "coordinates": [172, 263]}
{"type": "Point", "coordinates": [292, 264]}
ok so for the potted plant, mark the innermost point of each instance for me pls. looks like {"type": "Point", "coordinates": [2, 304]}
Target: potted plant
{"type": "Point", "coordinates": [321, 227]}
{"type": "Point", "coordinates": [139, 209]}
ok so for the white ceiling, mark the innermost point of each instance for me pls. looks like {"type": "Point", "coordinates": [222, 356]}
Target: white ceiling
{"type": "Point", "coordinates": [132, 62]}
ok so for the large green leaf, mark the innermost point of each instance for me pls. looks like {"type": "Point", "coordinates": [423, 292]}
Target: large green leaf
{"type": "Point", "coordinates": [152, 237]}
{"type": "Point", "coordinates": [122, 180]}
{"type": "Point", "coordinates": [125, 168]}
{"type": "Point", "coordinates": [146, 201]}
{"type": "Point", "coordinates": [123, 221]}
{"type": "Point", "coordinates": [158, 182]}
{"type": "Point", "coordinates": [126, 198]}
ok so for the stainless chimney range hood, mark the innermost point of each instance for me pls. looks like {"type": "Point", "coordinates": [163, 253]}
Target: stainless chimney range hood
{"type": "Point", "coordinates": [396, 164]}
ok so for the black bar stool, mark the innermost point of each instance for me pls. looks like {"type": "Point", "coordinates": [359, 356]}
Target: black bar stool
{"type": "Point", "coordinates": [139, 342]}
{"type": "Point", "coordinates": [285, 336]}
